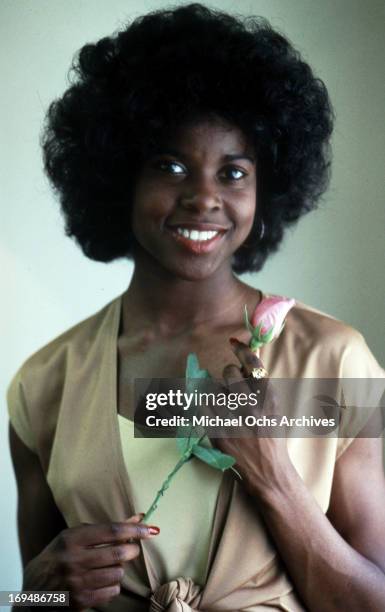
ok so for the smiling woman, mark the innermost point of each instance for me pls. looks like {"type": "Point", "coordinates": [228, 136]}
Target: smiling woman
{"type": "Point", "coordinates": [192, 210]}
{"type": "Point", "coordinates": [189, 141]}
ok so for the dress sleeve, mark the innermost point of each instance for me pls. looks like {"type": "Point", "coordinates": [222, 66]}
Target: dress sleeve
{"type": "Point", "coordinates": [18, 412]}
{"type": "Point", "coordinates": [362, 394]}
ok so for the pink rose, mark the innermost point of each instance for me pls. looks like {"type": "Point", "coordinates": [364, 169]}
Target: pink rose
{"type": "Point", "coordinates": [268, 320]}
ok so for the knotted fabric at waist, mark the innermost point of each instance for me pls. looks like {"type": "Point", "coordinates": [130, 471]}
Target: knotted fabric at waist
{"type": "Point", "coordinates": [179, 595]}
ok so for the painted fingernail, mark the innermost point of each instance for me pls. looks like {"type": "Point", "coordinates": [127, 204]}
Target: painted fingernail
{"type": "Point", "coordinates": [233, 341]}
{"type": "Point", "coordinates": [153, 530]}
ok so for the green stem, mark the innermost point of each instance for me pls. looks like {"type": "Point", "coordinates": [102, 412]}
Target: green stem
{"type": "Point", "coordinates": [165, 486]}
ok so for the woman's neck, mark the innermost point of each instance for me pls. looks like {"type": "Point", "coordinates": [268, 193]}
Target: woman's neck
{"type": "Point", "coordinates": [172, 305]}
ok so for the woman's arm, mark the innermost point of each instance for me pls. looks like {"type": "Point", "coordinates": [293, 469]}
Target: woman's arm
{"type": "Point", "coordinates": [335, 562]}
{"type": "Point", "coordinates": [86, 560]}
{"type": "Point", "coordinates": [39, 519]}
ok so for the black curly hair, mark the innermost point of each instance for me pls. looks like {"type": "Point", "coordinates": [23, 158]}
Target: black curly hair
{"type": "Point", "coordinates": [130, 89]}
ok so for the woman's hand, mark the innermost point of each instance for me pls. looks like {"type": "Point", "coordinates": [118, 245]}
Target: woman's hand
{"type": "Point", "coordinates": [87, 561]}
{"type": "Point", "coordinates": [261, 461]}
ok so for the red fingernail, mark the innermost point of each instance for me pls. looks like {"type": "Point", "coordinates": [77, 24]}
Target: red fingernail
{"type": "Point", "coordinates": [233, 341]}
{"type": "Point", "coordinates": [153, 530]}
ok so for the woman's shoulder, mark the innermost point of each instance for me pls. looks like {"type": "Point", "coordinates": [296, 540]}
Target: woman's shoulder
{"type": "Point", "coordinates": [311, 324]}
{"type": "Point", "coordinates": [314, 336]}
{"type": "Point", "coordinates": [35, 392]}
{"type": "Point", "coordinates": [77, 339]}
{"type": "Point", "coordinates": [321, 325]}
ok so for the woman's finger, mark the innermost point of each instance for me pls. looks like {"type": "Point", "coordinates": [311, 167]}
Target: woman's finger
{"type": "Point", "coordinates": [232, 374]}
{"type": "Point", "coordinates": [248, 359]}
{"type": "Point", "coordinates": [135, 518]}
{"type": "Point", "coordinates": [106, 533]}
{"type": "Point", "coordinates": [253, 371]}
{"type": "Point", "coordinates": [235, 380]}
{"type": "Point", "coordinates": [106, 556]}
{"type": "Point", "coordinates": [238, 385]}
{"type": "Point", "coordinates": [102, 577]}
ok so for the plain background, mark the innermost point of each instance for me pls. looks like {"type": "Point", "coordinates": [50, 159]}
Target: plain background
{"type": "Point", "coordinates": [333, 261]}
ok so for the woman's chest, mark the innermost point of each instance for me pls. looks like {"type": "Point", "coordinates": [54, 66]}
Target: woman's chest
{"type": "Point", "coordinates": [140, 360]}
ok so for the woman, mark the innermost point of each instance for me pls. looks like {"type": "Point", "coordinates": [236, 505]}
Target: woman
{"type": "Point", "coordinates": [189, 142]}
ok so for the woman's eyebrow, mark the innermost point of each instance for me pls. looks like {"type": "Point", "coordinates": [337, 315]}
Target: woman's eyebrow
{"type": "Point", "coordinates": [171, 152]}
{"type": "Point", "coordinates": [226, 158]}
{"type": "Point", "coordinates": [239, 156]}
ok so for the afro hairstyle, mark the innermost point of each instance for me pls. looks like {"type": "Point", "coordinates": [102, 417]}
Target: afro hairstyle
{"type": "Point", "coordinates": [128, 90]}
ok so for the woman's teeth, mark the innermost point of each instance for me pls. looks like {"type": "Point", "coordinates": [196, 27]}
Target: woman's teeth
{"type": "Point", "coordinates": [196, 235]}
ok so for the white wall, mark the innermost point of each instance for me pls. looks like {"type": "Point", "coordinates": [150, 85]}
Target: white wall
{"type": "Point", "coordinates": [333, 261]}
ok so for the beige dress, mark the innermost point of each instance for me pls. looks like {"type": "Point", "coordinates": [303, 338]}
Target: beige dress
{"type": "Point", "coordinates": [63, 404]}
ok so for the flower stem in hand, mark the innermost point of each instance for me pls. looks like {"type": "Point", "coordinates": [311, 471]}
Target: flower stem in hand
{"type": "Point", "coordinates": [165, 486]}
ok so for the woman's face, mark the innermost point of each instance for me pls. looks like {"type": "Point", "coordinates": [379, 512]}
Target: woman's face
{"type": "Point", "coordinates": [195, 200]}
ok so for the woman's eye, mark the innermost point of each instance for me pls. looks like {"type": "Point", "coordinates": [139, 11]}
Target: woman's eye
{"type": "Point", "coordinates": [171, 167]}
{"type": "Point", "coordinates": [233, 174]}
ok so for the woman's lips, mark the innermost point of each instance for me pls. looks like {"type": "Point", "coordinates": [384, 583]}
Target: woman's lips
{"type": "Point", "coordinates": [197, 246]}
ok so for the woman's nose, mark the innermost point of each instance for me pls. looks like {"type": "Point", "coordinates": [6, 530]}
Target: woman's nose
{"type": "Point", "coordinates": [201, 197]}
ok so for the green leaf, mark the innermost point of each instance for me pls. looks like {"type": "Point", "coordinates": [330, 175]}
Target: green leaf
{"type": "Point", "coordinates": [186, 439]}
{"type": "Point", "coordinates": [265, 338]}
{"type": "Point", "coordinates": [194, 373]}
{"type": "Point", "coordinates": [247, 322]}
{"type": "Point", "coordinates": [213, 457]}
{"type": "Point", "coordinates": [257, 331]}
{"type": "Point", "coordinates": [255, 344]}
{"type": "Point", "coordinates": [191, 443]}
{"type": "Point", "coordinates": [193, 370]}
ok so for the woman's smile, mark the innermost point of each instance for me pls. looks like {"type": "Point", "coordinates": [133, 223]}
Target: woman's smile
{"type": "Point", "coordinates": [197, 237]}
{"type": "Point", "coordinates": [195, 199]}
{"type": "Point", "coordinates": [197, 241]}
